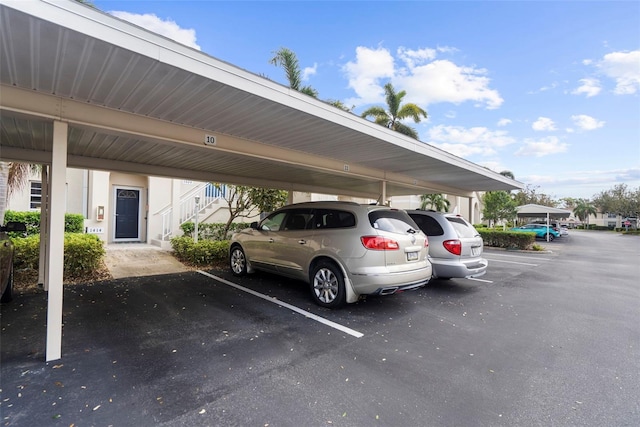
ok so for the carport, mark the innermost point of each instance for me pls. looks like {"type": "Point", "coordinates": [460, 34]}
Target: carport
{"type": "Point", "coordinates": [540, 211]}
{"type": "Point", "coordinates": [80, 88]}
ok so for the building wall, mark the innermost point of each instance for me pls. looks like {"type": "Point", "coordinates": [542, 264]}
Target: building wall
{"type": "Point", "coordinates": [93, 192]}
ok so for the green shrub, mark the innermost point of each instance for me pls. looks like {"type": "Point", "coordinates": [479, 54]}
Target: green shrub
{"type": "Point", "coordinates": [205, 252]}
{"type": "Point", "coordinates": [212, 231]}
{"type": "Point", "coordinates": [83, 253]}
{"type": "Point", "coordinates": [73, 223]}
{"type": "Point", "coordinates": [508, 239]}
{"type": "Point", "coordinates": [27, 252]}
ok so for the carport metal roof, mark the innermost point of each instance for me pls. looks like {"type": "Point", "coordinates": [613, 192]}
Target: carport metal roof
{"type": "Point", "coordinates": [540, 211]}
{"type": "Point", "coordinates": [138, 102]}
{"type": "Point", "coordinates": [80, 88]}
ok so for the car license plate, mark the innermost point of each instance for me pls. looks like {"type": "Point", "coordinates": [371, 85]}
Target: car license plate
{"type": "Point", "coordinates": [412, 256]}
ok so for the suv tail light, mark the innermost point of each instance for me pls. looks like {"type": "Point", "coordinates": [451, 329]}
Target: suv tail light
{"type": "Point", "coordinates": [453, 246]}
{"type": "Point", "coordinates": [378, 243]}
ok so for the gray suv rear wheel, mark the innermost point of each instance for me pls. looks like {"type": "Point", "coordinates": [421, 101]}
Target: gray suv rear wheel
{"type": "Point", "coordinates": [327, 285]}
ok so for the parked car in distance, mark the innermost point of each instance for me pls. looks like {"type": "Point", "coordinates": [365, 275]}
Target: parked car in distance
{"type": "Point", "coordinates": [564, 230]}
{"type": "Point", "coordinates": [556, 226]}
{"type": "Point", "coordinates": [6, 258]}
{"type": "Point", "coordinates": [455, 246]}
{"type": "Point", "coordinates": [343, 250]}
{"type": "Point", "coordinates": [540, 230]}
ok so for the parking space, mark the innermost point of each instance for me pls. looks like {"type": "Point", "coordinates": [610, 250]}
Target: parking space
{"type": "Point", "coordinates": [530, 344]}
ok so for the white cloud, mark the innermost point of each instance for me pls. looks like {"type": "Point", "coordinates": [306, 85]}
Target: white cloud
{"type": "Point", "coordinates": [426, 79]}
{"type": "Point", "coordinates": [543, 124]}
{"type": "Point", "coordinates": [444, 81]}
{"type": "Point", "coordinates": [546, 88]}
{"type": "Point", "coordinates": [309, 71]}
{"type": "Point", "coordinates": [589, 87]}
{"type": "Point", "coordinates": [624, 68]}
{"type": "Point", "coordinates": [365, 74]}
{"type": "Point", "coordinates": [585, 183]}
{"type": "Point", "coordinates": [465, 142]}
{"type": "Point", "coordinates": [416, 57]}
{"type": "Point", "coordinates": [504, 122]}
{"type": "Point", "coordinates": [167, 28]}
{"type": "Point", "coordinates": [541, 147]}
{"type": "Point", "coordinates": [585, 122]}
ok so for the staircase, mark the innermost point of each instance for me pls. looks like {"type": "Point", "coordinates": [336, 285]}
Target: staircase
{"type": "Point", "coordinates": [209, 197]}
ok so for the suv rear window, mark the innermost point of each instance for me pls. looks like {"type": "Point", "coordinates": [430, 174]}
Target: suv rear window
{"type": "Point", "coordinates": [393, 221]}
{"type": "Point", "coordinates": [331, 218]}
{"type": "Point", "coordinates": [462, 227]}
{"type": "Point", "coordinates": [429, 225]}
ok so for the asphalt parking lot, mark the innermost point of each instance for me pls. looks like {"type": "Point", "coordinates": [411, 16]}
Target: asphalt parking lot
{"type": "Point", "coordinates": [543, 339]}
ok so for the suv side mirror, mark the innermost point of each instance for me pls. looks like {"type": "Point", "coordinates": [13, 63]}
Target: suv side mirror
{"type": "Point", "coordinates": [254, 225]}
{"type": "Point", "coordinates": [13, 226]}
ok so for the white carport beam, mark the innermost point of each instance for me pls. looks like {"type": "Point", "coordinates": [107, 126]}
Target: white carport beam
{"type": "Point", "coordinates": [55, 260]}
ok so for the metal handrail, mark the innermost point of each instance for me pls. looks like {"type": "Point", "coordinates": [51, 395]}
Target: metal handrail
{"type": "Point", "coordinates": [208, 194]}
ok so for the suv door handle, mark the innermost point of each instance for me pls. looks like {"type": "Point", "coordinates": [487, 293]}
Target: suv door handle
{"type": "Point", "coordinates": [270, 240]}
{"type": "Point", "coordinates": [302, 241]}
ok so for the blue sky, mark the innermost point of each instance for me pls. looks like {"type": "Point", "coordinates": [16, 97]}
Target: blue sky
{"type": "Point", "coordinates": [547, 90]}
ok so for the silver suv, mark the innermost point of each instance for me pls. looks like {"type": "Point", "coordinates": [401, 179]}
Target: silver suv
{"type": "Point", "coordinates": [455, 246]}
{"type": "Point", "coordinates": [343, 250]}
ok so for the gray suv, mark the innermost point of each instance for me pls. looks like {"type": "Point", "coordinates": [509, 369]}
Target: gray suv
{"type": "Point", "coordinates": [343, 250]}
{"type": "Point", "coordinates": [455, 246]}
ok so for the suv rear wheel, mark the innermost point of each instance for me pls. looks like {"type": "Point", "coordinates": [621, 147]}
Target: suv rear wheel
{"type": "Point", "coordinates": [238, 261]}
{"type": "Point", "coordinates": [7, 296]}
{"type": "Point", "coordinates": [327, 285]}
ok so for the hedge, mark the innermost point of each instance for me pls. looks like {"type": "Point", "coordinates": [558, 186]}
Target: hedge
{"type": "Point", "coordinates": [508, 239]}
{"type": "Point", "coordinates": [73, 223]}
{"type": "Point", "coordinates": [83, 253]}
{"type": "Point", "coordinates": [205, 252]}
{"type": "Point", "coordinates": [212, 231]}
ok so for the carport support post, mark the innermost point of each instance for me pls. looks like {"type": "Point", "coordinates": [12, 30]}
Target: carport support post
{"type": "Point", "coordinates": [547, 226]}
{"type": "Point", "coordinates": [44, 222]}
{"type": "Point", "coordinates": [55, 264]}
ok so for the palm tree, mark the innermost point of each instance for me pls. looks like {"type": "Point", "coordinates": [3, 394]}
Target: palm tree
{"type": "Point", "coordinates": [583, 209]}
{"type": "Point", "coordinates": [508, 174]}
{"type": "Point", "coordinates": [288, 60]}
{"type": "Point", "coordinates": [392, 118]}
{"type": "Point", "coordinates": [435, 201]}
{"type": "Point", "coordinates": [13, 177]}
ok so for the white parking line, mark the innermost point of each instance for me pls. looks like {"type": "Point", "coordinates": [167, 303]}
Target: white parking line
{"type": "Point", "coordinates": [512, 262]}
{"type": "Point", "coordinates": [289, 306]}
{"type": "Point", "coordinates": [480, 280]}
{"type": "Point", "coordinates": [517, 256]}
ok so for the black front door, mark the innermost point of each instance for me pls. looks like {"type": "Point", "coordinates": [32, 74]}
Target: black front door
{"type": "Point", "coordinates": [127, 214]}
